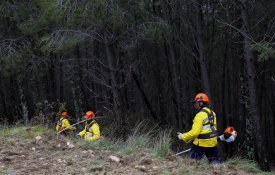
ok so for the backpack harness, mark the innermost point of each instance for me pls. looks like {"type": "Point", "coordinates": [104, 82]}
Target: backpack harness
{"type": "Point", "coordinates": [89, 126]}
{"type": "Point", "coordinates": [210, 124]}
{"type": "Point", "coordinates": [59, 122]}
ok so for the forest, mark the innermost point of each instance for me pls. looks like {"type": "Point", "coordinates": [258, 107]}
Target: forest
{"type": "Point", "coordinates": [140, 60]}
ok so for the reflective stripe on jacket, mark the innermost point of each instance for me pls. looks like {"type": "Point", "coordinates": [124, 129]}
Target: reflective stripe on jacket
{"type": "Point", "coordinates": [200, 126]}
{"type": "Point", "coordinates": [91, 131]}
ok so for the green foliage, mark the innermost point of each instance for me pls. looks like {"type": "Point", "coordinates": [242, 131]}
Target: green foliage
{"type": "Point", "coordinates": [45, 14]}
{"type": "Point", "coordinates": [61, 41]}
{"type": "Point", "coordinates": [4, 131]}
{"type": "Point", "coordinates": [22, 132]}
{"type": "Point", "coordinates": [157, 33]}
{"type": "Point", "coordinates": [29, 132]}
{"type": "Point", "coordinates": [265, 51]}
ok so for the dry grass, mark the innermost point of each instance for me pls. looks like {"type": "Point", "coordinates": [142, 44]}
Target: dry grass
{"type": "Point", "coordinates": [21, 153]}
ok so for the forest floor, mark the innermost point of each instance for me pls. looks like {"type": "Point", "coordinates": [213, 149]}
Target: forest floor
{"type": "Point", "coordinates": [37, 150]}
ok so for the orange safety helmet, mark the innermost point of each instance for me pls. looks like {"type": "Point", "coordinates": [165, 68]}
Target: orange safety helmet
{"type": "Point", "coordinates": [201, 97]}
{"type": "Point", "coordinates": [64, 114]}
{"type": "Point", "coordinates": [89, 114]}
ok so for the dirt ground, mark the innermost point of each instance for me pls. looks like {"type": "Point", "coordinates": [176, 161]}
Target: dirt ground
{"type": "Point", "coordinates": [23, 154]}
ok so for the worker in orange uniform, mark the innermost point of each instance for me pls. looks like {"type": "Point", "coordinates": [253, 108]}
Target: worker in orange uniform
{"type": "Point", "coordinates": [91, 131]}
{"type": "Point", "coordinates": [204, 131]}
{"type": "Point", "coordinates": [64, 123]}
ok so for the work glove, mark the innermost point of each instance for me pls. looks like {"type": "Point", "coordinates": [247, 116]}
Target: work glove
{"type": "Point", "coordinates": [179, 135]}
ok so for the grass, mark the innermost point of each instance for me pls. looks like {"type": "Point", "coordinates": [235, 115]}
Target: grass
{"type": "Point", "coordinates": [103, 144]}
{"type": "Point", "coordinates": [135, 144]}
{"type": "Point", "coordinates": [140, 139]}
{"type": "Point", "coordinates": [162, 144]}
{"type": "Point", "coordinates": [246, 165]}
{"type": "Point", "coordinates": [23, 131]}
{"type": "Point", "coordinates": [143, 145]}
{"type": "Point", "coordinates": [3, 170]}
{"type": "Point", "coordinates": [154, 140]}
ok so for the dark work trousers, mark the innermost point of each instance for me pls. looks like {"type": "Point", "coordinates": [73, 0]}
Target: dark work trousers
{"type": "Point", "coordinates": [197, 152]}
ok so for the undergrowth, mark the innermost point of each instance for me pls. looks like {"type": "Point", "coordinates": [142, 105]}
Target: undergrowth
{"type": "Point", "coordinates": [153, 142]}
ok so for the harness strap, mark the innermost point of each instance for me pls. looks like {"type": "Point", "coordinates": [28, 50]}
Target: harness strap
{"type": "Point", "coordinates": [208, 135]}
{"type": "Point", "coordinates": [60, 121]}
{"type": "Point", "coordinates": [90, 125]}
{"type": "Point", "coordinates": [209, 124]}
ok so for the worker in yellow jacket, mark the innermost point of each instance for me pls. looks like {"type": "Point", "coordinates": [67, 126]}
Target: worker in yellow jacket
{"type": "Point", "coordinates": [91, 131]}
{"type": "Point", "coordinates": [204, 131]}
{"type": "Point", "coordinates": [63, 123]}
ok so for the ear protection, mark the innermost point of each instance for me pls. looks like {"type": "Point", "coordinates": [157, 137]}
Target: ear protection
{"type": "Point", "coordinates": [201, 102]}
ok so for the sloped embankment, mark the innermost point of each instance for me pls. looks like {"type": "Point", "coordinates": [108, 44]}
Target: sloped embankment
{"type": "Point", "coordinates": [36, 150]}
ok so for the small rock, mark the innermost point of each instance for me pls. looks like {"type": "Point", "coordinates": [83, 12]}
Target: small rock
{"type": "Point", "coordinates": [70, 145]}
{"type": "Point", "coordinates": [115, 159]}
{"type": "Point", "coordinates": [38, 138]}
{"type": "Point", "coordinates": [83, 169]}
{"type": "Point", "coordinates": [140, 167]}
{"type": "Point", "coordinates": [155, 167]}
{"type": "Point", "coordinates": [90, 151]}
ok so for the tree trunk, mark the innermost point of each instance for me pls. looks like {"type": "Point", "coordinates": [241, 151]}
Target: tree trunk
{"type": "Point", "coordinates": [259, 142]}
{"type": "Point", "coordinates": [25, 111]}
{"type": "Point", "coordinates": [148, 104]}
{"type": "Point", "coordinates": [176, 87]}
{"type": "Point", "coordinates": [172, 67]}
{"type": "Point", "coordinates": [115, 93]}
{"type": "Point", "coordinates": [200, 47]}
{"type": "Point", "coordinates": [3, 98]}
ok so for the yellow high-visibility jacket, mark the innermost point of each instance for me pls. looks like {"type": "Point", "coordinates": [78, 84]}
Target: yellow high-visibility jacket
{"type": "Point", "coordinates": [91, 131]}
{"type": "Point", "coordinates": [62, 124]}
{"type": "Point", "coordinates": [200, 127]}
